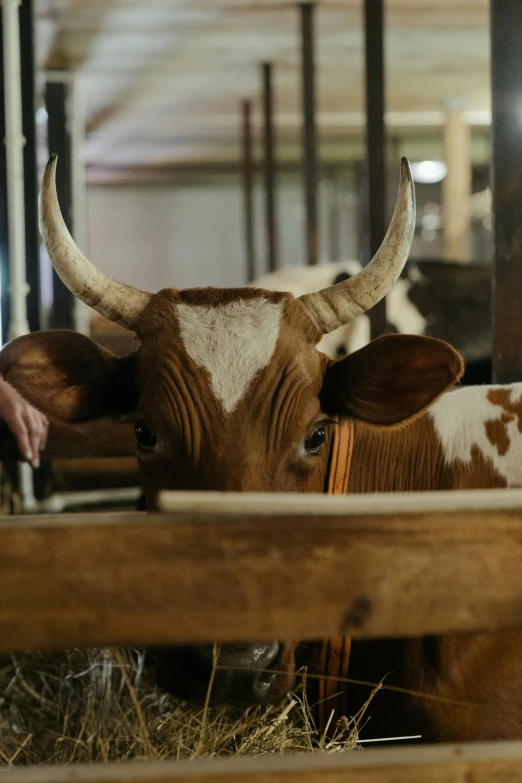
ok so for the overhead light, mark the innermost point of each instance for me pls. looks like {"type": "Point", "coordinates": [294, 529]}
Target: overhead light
{"type": "Point", "coordinates": [41, 116]}
{"type": "Point", "coordinates": [427, 172]}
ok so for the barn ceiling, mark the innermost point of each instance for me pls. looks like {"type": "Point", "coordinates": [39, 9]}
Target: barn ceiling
{"type": "Point", "coordinates": [163, 78]}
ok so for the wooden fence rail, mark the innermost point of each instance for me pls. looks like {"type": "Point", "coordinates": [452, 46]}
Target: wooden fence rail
{"type": "Point", "coordinates": [261, 567]}
{"type": "Point", "coordinates": [495, 762]}
{"type": "Point", "coordinates": [100, 438]}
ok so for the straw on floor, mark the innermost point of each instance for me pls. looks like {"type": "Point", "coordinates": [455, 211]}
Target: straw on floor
{"type": "Point", "coordinates": [101, 705]}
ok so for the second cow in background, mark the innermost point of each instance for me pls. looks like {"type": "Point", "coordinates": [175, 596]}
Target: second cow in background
{"type": "Point", "coordinates": [448, 300]}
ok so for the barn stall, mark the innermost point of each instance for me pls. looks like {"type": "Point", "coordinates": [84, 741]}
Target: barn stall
{"type": "Point", "coordinates": [120, 670]}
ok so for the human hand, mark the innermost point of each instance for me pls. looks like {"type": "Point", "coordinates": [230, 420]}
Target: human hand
{"type": "Point", "coordinates": [28, 425]}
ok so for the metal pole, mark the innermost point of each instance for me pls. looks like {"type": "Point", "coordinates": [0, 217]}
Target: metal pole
{"type": "Point", "coordinates": [506, 175]}
{"type": "Point", "coordinates": [60, 142]}
{"type": "Point", "coordinates": [14, 142]}
{"type": "Point", "coordinates": [31, 181]}
{"type": "Point", "coordinates": [71, 139]}
{"type": "Point", "coordinates": [77, 123]}
{"type": "Point", "coordinates": [5, 274]}
{"type": "Point", "coordinates": [376, 204]}
{"type": "Point", "coordinates": [309, 130]}
{"type": "Point", "coordinates": [270, 205]}
{"type": "Point", "coordinates": [248, 191]}
{"type": "Point", "coordinates": [82, 312]}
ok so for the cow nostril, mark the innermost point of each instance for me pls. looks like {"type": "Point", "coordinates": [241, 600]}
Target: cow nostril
{"type": "Point", "coordinates": [252, 656]}
{"type": "Point", "coordinates": [265, 656]}
{"type": "Point", "coordinates": [341, 351]}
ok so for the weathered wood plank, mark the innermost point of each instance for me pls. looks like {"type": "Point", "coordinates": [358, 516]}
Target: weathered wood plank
{"type": "Point", "coordinates": [96, 472]}
{"type": "Point", "coordinates": [281, 504]}
{"type": "Point", "coordinates": [494, 762]}
{"type": "Point", "coordinates": [100, 438]}
{"type": "Point", "coordinates": [87, 580]}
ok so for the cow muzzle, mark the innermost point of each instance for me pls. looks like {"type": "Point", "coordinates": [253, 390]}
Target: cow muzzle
{"type": "Point", "coordinates": [257, 673]}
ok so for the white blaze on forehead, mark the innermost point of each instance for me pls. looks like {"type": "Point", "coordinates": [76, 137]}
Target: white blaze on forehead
{"type": "Point", "coordinates": [232, 342]}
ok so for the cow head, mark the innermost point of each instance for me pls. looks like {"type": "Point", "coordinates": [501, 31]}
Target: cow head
{"type": "Point", "coordinates": [227, 391]}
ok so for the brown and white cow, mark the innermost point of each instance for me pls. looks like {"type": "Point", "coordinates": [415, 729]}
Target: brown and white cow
{"type": "Point", "coordinates": [228, 392]}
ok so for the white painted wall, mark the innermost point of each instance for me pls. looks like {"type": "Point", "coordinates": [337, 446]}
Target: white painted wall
{"type": "Point", "coordinates": [160, 237]}
{"type": "Point", "coordinates": [156, 237]}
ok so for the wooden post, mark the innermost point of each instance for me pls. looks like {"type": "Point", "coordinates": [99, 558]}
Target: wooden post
{"type": "Point", "coordinates": [333, 218]}
{"type": "Point", "coordinates": [456, 186]}
{"type": "Point", "coordinates": [60, 142]}
{"type": "Point", "coordinates": [376, 191]}
{"type": "Point", "coordinates": [248, 192]}
{"type": "Point", "coordinates": [506, 66]}
{"type": "Point", "coordinates": [270, 198]}
{"type": "Point", "coordinates": [309, 130]}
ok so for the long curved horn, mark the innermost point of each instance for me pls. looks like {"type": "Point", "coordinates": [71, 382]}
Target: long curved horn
{"type": "Point", "coordinates": [117, 301]}
{"type": "Point", "coordinates": [339, 304]}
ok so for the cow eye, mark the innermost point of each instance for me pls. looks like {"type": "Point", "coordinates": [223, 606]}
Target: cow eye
{"type": "Point", "coordinates": [315, 440]}
{"type": "Point", "coordinates": [145, 437]}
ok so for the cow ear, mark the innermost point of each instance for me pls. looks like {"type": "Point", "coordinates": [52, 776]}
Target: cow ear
{"type": "Point", "coordinates": [68, 376]}
{"type": "Point", "coordinates": [391, 379]}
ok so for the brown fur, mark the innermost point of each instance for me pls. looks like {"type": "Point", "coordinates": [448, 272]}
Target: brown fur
{"type": "Point", "coordinates": [483, 671]}
{"type": "Point", "coordinates": [496, 429]}
{"type": "Point", "coordinates": [410, 459]}
{"type": "Point", "coordinates": [502, 397]}
{"type": "Point", "coordinates": [497, 432]}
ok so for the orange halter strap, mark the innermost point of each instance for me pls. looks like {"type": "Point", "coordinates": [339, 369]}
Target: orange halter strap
{"type": "Point", "coordinates": [334, 655]}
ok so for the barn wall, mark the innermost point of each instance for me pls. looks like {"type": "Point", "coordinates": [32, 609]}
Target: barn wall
{"type": "Point", "coordinates": [192, 235]}
{"type": "Point", "coordinates": [158, 237]}
{"type": "Point", "coordinates": [153, 236]}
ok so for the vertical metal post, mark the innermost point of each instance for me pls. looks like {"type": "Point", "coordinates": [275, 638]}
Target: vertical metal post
{"type": "Point", "coordinates": [82, 312]}
{"type": "Point", "coordinates": [32, 235]}
{"type": "Point", "coordinates": [31, 184]}
{"type": "Point", "coordinates": [506, 175]}
{"type": "Point", "coordinates": [269, 170]}
{"type": "Point", "coordinates": [16, 203]}
{"type": "Point", "coordinates": [248, 193]}
{"type": "Point", "coordinates": [375, 149]}
{"type": "Point", "coordinates": [309, 130]}
{"type": "Point", "coordinates": [14, 142]}
{"type": "Point", "coordinates": [5, 273]}
{"type": "Point", "coordinates": [60, 142]}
